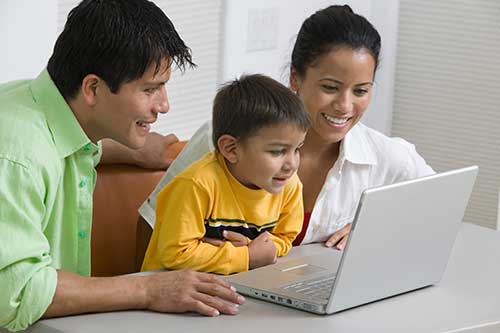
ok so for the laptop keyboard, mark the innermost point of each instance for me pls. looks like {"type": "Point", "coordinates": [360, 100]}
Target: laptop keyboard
{"type": "Point", "coordinates": [319, 288]}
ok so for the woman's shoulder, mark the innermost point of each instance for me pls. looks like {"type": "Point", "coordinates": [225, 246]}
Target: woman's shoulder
{"type": "Point", "coordinates": [382, 145]}
{"type": "Point", "coordinates": [393, 154]}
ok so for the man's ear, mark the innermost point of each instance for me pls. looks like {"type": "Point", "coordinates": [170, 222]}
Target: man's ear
{"type": "Point", "coordinates": [90, 85]}
{"type": "Point", "coordinates": [228, 147]}
{"type": "Point", "coordinates": [294, 80]}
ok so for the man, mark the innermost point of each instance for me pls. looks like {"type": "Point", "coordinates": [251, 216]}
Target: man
{"type": "Point", "coordinates": [105, 79]}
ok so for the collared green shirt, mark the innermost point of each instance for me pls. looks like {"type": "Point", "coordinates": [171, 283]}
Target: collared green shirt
{"type": "Point", "coordinates": [47, 176]}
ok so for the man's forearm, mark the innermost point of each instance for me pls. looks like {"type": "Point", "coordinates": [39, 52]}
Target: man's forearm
{"type": "Point", "coordinates": [76, 294]}
{"type": "Point", "coordinates": [114, 152]}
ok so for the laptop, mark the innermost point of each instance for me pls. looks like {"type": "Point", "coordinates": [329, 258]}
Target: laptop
{"type": "Point", "coordinates": [401, 239]}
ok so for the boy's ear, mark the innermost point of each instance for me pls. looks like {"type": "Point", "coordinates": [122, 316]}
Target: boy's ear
{"type": "Point", "coordinates": [228, 147]}
{"type": "Point", "coordinates": [90, 84]}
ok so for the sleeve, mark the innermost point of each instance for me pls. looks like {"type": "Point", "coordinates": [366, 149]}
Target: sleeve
{"type": "Point", "coordinates": [28, 282]}
{"type": "Point", "coordinates": [199, 144]}
{"type": "Point", "coordinates": [98, 155]}
{"type": "Point", "coordinates": [181, 212]}
{"type": "Point", "coordinates": [415, 164]}
{"type": "Point", "coordinates": [291, 218]}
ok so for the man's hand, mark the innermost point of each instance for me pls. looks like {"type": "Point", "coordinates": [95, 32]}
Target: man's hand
{"type": "Point", "coordinates": [339, 237]}
{"type": "Point", "coordinates": [154, 153]}
{"type": "Point", "coordinates": [261, 251]}
{"type": "Point", "coordinates": [186, 290]}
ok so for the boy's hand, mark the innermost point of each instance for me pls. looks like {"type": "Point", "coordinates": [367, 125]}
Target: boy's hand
{"type": "Point", "coordinates": [261, 251]}
{"type": "Point", "coordinates": [229, 236]}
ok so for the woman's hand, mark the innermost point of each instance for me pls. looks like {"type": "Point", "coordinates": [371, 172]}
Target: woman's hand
{"type": "Point", "coordinates": [339, 237]}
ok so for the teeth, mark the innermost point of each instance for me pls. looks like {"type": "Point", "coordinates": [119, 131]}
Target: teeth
{"type": "Point", "coordinates": [338, 121]}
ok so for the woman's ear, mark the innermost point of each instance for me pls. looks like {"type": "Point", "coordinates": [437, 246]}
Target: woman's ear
{"type": "Point", "coordinates": [90, 85]}
{"type": "Point", "coordinates": [294, 81]}
{"type": "Point", "coordinates": [228, 147]}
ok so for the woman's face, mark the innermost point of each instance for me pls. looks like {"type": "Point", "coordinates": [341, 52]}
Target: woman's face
{"type": "Point", "coordinates": [336, 91]}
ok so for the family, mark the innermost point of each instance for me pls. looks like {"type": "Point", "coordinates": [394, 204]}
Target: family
{"type": "Point", "coordinates": [275, 167]}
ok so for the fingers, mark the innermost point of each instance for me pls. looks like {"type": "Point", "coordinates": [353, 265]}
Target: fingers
{"type": "Point", "coordinates": [235, 238]}
{"type": "Point", "coordinates": [170, 138]}
{"type": "Point", "coordinates": [187, 290]}
{"type": "Point", "coordinates": [213, 241]}
{"type": "Point", "coordinates": [341, 244]}
{"type": "Point", "coordinates": [339, 235]}
{"type": "Point", "coordinates": [221, 299]}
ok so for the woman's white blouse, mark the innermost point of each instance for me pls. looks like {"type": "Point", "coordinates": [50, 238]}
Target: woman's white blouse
{"type": "Point", "coordinates": [367, 158]}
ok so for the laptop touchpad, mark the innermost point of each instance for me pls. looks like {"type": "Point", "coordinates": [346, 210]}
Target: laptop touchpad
{"type": "Point", "coordinates": [302, 269]}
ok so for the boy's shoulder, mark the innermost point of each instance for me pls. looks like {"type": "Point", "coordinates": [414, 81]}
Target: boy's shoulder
{"type": "Point", "coordinates": [294, 184]}
{"type": "Point", "coordinates": [206, 169]}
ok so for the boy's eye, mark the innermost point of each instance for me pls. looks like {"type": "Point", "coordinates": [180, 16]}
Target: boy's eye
{"type": "Point", "coordinates": [277, 152]}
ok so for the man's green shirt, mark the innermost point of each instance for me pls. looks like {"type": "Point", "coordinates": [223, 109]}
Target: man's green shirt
{"type": "Point", "coordinates": [47, 176]}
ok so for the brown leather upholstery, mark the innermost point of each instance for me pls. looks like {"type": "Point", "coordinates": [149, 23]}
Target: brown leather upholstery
{"type": "Point", "coordinates": [118, 240]}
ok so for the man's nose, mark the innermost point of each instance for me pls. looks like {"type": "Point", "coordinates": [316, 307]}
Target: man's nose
{"type": "Point", "coordinates": [162, 105]}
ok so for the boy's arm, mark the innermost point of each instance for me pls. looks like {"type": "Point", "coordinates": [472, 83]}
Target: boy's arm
{"type": "Point", "coordinates": [291, 218]}
{"type": "Point", "coordinates": [177, 243]}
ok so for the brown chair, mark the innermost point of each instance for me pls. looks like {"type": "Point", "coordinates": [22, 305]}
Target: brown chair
{"type": "Point", "coordinates": [119, 237]}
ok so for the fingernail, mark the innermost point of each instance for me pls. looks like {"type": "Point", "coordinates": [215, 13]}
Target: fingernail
{"type": "Point", "coordinates": [232, 288]}
{"type": "Point", "coordinates": [216, 313]}
{"type": "Point", "coordinates": [224, 233]}
{"type": "Point", "coordinates": [328, 244]}
{"type": "Point", "coordinates": [241, 299]}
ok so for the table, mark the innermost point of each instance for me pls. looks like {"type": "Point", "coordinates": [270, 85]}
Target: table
{"type": "Point", "coordinates": [466, 300]}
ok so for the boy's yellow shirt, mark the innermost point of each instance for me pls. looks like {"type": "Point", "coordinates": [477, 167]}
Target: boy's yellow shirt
{"type": "Point", "coordinates": [206, 196]}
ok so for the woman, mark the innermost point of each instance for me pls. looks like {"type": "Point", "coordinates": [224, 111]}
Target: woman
{"type": "Point", "coordinates": [333, 66]}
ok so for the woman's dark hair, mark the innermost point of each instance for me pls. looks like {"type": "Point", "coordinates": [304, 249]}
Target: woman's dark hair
{"type": "Point", "coordinates": [243, 106]}
{"type": "Point", "coordinates": [334, 26]}
{"type": "Point", "coordinates": [116, 40]}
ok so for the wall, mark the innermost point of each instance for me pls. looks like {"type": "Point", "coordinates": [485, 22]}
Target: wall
{"type": "Point", "coordinates": [446, 97]}
{"type": "Point", "coordinates": [27, 33]}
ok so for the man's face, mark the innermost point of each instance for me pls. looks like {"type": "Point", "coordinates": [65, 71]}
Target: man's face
{"type": "Point", "coordinates": [127, 116]}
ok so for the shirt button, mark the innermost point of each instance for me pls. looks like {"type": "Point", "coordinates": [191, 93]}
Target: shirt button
{"type": "Point", "coordinates": [87, 147]}
{"type": "Point", "coordinates": [81, 234]}
{"type": "Point", "coordinates": [82, 183]}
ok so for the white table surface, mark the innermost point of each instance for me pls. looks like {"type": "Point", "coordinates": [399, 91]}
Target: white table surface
{"type": "Point", "coordinates": [466, 300]}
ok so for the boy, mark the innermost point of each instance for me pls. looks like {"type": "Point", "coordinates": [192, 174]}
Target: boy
{"type": "Point", "coordinates": [247, 186]}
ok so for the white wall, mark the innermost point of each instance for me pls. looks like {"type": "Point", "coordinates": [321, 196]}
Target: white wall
{"type": "Point", "coordinates": [288, 16]}
{"type": "Point", "coordinates": [27, 35]}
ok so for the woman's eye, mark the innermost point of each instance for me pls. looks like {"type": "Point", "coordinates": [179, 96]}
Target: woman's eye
{"type": "Point", "coordinates": [360, 92]}
{"type": "Point", "coordinates": [330, 88]}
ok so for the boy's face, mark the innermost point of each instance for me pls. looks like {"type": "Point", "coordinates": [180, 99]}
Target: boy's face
{"type": "Point", "coordinates": [269, 158]}
{"type": "Point", "coordinates": [127, 116]}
